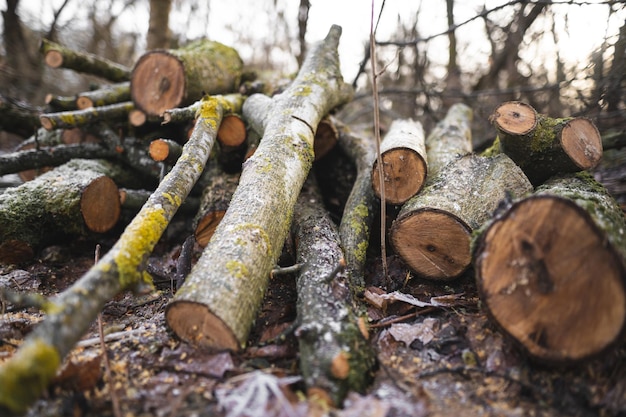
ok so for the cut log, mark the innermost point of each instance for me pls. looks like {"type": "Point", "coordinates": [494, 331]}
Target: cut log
{"type": "Point", "coordinates": [165, 150]}
{"type": "Point", "coordinates": [109, 94]}
{"type": "Point", "coordinates": [214, 202]}
{"type": "Point", "coordinates": [543, 146]}
{"type": "Point", "coordinates": [219, 301]}
{"type": "Point", "coordinates": [360, 208]}
{"type": "Point", "coordinates": [111, 113]}
{"type": "Point", "coordinates": [27, 373]}
{"type": "Point", "coordinates": [232, 131]}
{"type": "Point", "coordinates": [58, 56]}
{"type": "Point", "coordinates": [403, 153]}
{"type": "Point", "coordinates": [335, 356]}
{"type": "Point", "coordinates": [164, 79]}
{"type": "Point", "coordinates": [450, 139]}
{"type": "Point", "coordinates": [71, 199]}
{"type": "Point", "coordinates": [326, 137]}
{"type": "Point", "coordinates": [551, 270]}
{"type": "Point", "coordinates": [432, 232]}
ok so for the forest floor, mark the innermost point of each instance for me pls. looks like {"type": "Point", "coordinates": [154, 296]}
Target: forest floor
{"type": "Point", "coordinates": [436, 361]}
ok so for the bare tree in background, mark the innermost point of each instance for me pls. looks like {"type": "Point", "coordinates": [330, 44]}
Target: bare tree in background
{"type": "Point", "coordinates": [303, 19]}
{"type": "Point", "coordinates": [22, 66]}
{"type": "Point", "coordinates": [159, 33]}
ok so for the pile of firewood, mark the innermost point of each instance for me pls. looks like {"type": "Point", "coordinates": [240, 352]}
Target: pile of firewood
{"type": "Point", "coordinates": [547, 242]}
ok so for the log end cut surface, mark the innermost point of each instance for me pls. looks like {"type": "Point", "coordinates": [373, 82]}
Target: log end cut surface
{"type": "Point", "coordinates": [100, 205]}
{"type": "Point", "coordinates": [515, 118]}
{"type": "Point", "coordinates": [195, 324]}
{"type": "Point", "coordinates": [404, 175]}
{"type": "Point", "coordinates": [582, 142]}
{"type": "Point", "coordinates": [206, 226]}
{"type": "Point", "coordinates": [550, 280]}
{"type": "Point", "coordinates": [158, 82]}
{"type": "Point", "coordinates": [232, 131]}
{"type": "Point", "coordinates": [436, 245]}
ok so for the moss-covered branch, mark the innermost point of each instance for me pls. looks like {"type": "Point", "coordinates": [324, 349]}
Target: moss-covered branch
{"type": "Point", "coordinates": [58, 56]}
{"type": "Point", "coordinates": [112, 113]}
{"type": "Point", "coordinates": [335, 356]}
{"type": "Point", "coordinates": [361, 206]}
{"type": "Point", "coordinates": [28, 372]}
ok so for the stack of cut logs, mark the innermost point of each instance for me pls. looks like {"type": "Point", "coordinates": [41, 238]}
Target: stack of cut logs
{"type": "Point", "coordinates": [546, 241]}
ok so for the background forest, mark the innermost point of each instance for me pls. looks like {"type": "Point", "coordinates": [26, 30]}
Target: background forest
{"type": "Point", "coordinates": [432, 53]}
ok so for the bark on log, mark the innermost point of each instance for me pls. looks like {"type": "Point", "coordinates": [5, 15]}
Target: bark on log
{"type": "Point", "coordinates": [450, 139]}
{"type": "Point", "coordinates": [403, 154]}
{"type": "Point", "coordinates": [432, 232]}
{"type": "Point", "coordinates": [112, 113]}
{"type": "Point", "coordinates": [335, 356]}
{"type": "Point", "coordinates": [543, 146]}
{"type": "Point", "coordinates": [214, 202]}
{"type": "Point", "coordinates": [221, 296]}
{"type": "Point", "coordinates": [50, 156]}
{"type": "Point", "coordinates": [360, 208]}
{"type": "Point", "coordinates": [58, 56]}
{"type": "Point", "coordinates": [258, 106]}
{"type": "Point", "coordinates": [110, 94]}
{"type": "Point", "coordinates": [164, 79]}
{"type": "Point", "coordinates": [56, 104]}
{"type": "Point", "coordinates": [72, 199]}
{"type": "Point", "coordinates": [551, 270]}
{"type": "Point", "coordinates": [24, 376]}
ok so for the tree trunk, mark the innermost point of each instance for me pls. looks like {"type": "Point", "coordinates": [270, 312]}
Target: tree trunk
{"type": "Point", "coordinates": [57, 56]}
{"type": "Point", "coordinates": [220, 298]}
{"type": "Point", "coordinates": [335, 357]}
{"type": "Point", "coordinates": [551, 270]}
{"type": "Point", "coordinates": [432, 232]}
{"type": "Point", "coordinates": [543, 146]}
{"type": "Point", "coordinates": [162, 80]}
{"type": "Point", "coordinates": [159, 33]}
{"type": "Point", "coordinates": [72, 199]}
{"type": "Point", "coordinates": [25, 375]}
{"type": "Point", "coordinates": [403, 153]}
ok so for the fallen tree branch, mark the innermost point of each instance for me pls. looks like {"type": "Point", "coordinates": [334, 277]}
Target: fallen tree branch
{"type": "Point", "coordinates": [28, 372]}
{"type": "Point", "coordinates": [335, 357]}
{"type": "Point", "coordinates": [58, 56]}
{"type": "Point", "coordinates": [111, 113]}
{"type": "Point", "coordinates": [220, 298]}
{"type": "Point", "coordinates": [51, 156]}
{"type": "Point", "coordinates": [361, 206]}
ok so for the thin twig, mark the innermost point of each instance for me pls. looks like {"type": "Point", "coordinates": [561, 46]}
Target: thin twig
{"type": "Point", "coordinates": [381, 175]}
{"type": "Point", "coordinates": [117, 412]}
